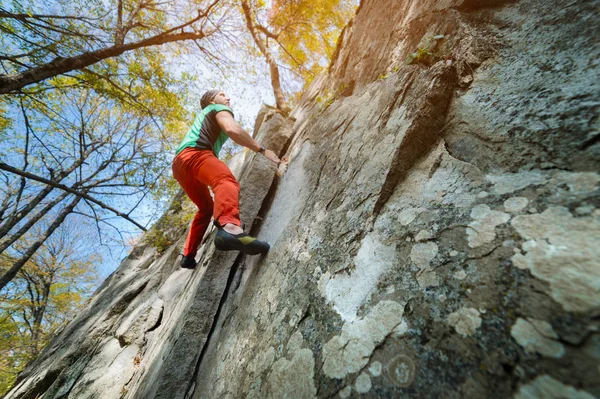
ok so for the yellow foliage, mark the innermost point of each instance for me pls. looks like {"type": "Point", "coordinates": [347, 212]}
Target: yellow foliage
{"type": "Point", "coordinates": [306, 30]}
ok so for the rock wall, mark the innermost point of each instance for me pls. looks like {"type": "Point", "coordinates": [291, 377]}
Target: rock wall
{"type": "Point", "coordinates": [436, 234]}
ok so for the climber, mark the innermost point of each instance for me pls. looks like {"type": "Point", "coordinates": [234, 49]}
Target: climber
{"type": "Point", "coordinates": [196, 167]}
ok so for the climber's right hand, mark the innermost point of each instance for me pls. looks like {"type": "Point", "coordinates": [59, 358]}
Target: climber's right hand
{"type": "Point", "coordinates": [270, 155]}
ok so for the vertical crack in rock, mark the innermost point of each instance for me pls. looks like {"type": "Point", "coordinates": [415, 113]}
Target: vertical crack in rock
{"type": "Point", "coordinates": [191, 385]}
{"type": "Point", "coordinates": [430, 108]}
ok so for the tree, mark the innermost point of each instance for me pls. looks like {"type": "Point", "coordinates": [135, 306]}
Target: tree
{"type": "Point", "coordinates": [40, 43]}
{"type": "Point", "coordinates": [90, 149]}
{"type": "Point", "coordinates": [300, 34]}
{"type": "Point", "coordinates": [47, 293]}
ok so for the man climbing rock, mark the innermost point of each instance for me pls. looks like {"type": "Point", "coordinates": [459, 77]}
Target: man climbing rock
{"type": "Point", "coordinates": [196, 167]}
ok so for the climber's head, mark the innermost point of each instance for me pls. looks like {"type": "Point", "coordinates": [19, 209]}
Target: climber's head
{"type": "Point", "coordinates": [214, 97]}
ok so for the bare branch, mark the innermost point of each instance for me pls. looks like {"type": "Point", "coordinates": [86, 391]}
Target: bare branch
{"type": "Point", "coordinates": [31, 176]}
{"type": "Point", "coordinates": [15, 82]}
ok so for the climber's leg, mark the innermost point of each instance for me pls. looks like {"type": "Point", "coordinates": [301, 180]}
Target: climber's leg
{"type": "Point", "coordinates": [217, 175]}
{"type": "Point", "coordinates": [186, 168]}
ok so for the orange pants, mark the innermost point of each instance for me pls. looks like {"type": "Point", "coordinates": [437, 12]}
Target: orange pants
{"type": "Point", "coordinates": [196, 170]}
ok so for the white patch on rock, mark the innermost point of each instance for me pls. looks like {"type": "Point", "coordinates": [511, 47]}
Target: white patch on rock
{"type": "Point", "coordinates": [442, 298]}
{"type": "Point", "coordinates": [423, 253]}
{"type": "Point", "coordinates": [304, 256]}
{"type": "Point", "coordinates": [509, 182]}
{"type": "Point", "coordinates": [322, 283]}
{"type": "Point", "coordinates": [428, 278]}
{"type": "Point", "coordinates": [293, 378]}
{"type": "Point", "coordinates": [363, 383]}
{"type": "Point", "coordinates": [548, 388]}
{"type": "Point", "coordinates": [578, 182]}
{"type": "Point", "coordinates": [483, 229]}
{"type": "Point", "coordinates": [537, 336]}
{"type": "Point", "coordinates": [295, 342]}
{"type": "Point", "coordinates": [375, 369]}
{"type": "Point", "coordinates": [565, 252]}
{"type": "Point", "coordinates": [401, 370]}
{"type": "Point", "coordinates": [346, 392]}
{"type": "Point", "coordinates": [460, 275]}
{"type": "Point", "coordinates": [321, 215]}
{"type": "Point", "coordinates": [348, 292]}
{"type": "Point", "coordinates": [515, 204]}
{"type": "Point", "coordinates": [423, 235]}
{"type": "Point", "coordinates": [401, 329]}
{"type": "Point", "coordinates": [350, 351]}
{"type": "Point", "coordinates": [465, 321]}
{"type": "Point", "coordinates": [483, 194]}
{"type": "Point", "coordinates": [408, 215]}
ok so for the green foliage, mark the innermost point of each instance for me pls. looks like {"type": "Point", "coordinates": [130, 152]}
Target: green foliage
{"type": "Point", "coordinates": [158, 239]}
{"type": "Point", "coordinates": [172, 224]}
{"type": "Point", "coordinates": [47, 293]}
{"type": "Point", "coordinates": [425, 51]}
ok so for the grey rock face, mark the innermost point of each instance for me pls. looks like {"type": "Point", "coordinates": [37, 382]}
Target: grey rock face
{"type": "Point", "coordinates": [436, 233]}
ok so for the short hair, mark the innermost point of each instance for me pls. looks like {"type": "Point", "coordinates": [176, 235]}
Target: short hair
{"type": "Point", "coordinates": [208, 97]}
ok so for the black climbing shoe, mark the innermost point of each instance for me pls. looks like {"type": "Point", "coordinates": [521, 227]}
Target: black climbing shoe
{"type": "Point", "coordinates": [188, 263]}
{"type": "Point", "coordinates": [225, 241]}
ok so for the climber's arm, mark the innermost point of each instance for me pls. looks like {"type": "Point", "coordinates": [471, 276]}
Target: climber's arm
{"type": "Point", "coordinates": [240, 136]}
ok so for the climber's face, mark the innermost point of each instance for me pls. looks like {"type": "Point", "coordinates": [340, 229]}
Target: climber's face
{"type": "Point", "coordinates": [221, 98]}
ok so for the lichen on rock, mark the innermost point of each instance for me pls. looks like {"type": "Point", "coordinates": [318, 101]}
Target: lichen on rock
{"type": "Point", "coordinates": [537, 336]}
{"type": "Point", "coordinates": [565, 252]}
{"type": "Point", "coordinates": [465, 321]}
{"type": "Point", "coordinates": [483, 229]}
{"type": "Point", "coordinates": [350, 351]}
{"type": "Point", "coordinates": [547, 387]}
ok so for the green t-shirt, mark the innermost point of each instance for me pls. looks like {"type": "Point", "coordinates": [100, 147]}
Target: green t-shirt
{"type": "Point", "coordinates": [205, 133]}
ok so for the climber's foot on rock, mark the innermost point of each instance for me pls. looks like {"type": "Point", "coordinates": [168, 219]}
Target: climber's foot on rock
{"type": "Point", "coordinates": [188, 262]}
{"type": "Point", "coordinates": [225, 241]}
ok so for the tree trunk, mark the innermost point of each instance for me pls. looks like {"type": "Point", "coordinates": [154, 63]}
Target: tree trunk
{"type": "Point", "coordinates": [277, 91]}
{"type": "Point", "coordinates": [40, 311]}
{"type": "Point", "coordinates": [274, 69]}
{"type": "Point", "coordinates": [12, 272]}
{"type": "Point", "coordinates": [25, 228]}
